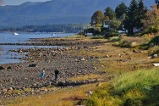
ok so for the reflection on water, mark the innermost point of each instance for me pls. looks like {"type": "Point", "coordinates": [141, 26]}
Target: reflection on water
{"type": "Point", "coordinates": [13, 57]}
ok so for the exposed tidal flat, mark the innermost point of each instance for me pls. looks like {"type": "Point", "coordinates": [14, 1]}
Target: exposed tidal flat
{"type": "Point", "coordinates": [9, 41]}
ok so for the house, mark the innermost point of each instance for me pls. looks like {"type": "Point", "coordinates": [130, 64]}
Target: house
{"type": "Point", "coordinates": [88, 34]}
{"type": "Point", "coordinates": [107, 23]}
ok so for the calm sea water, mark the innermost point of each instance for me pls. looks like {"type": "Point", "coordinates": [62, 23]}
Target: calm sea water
{"type": "Point", "coordinates": [12, 57]}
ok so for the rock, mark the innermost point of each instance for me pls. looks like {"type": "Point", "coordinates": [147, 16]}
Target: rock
{"type": "Point", "coordinates": [48, 83]}
{"type": "Point", "coordinates": [20, 51]}
{"type": "Point", "coordinates": [156, 64]}
{"type": "Point", "coordinates": [61, 83]}
{"type": "Point", "coordinates": [135, 51]}
{"type": "Point", "coordinates": [89, 93]}
{"type": "Point", "coordinates": [26, 78]}
{"type": "Point", "coordinates": [4, 90]}
{"type": "Point", "coordinates": [85, 47]}
{"type": "Point", "coordinates": [2, 68]}
{"type": "Point", "coordinates": [151, 44]}
{"type": "Point", "coordinates": [133, 44]}
{"type": "Point", "coordinates": [35, 85]}
{"type": "Point", "coordinates": [98, 85]}
{"type": "Point", "coordinates": [10, 88]}
{"type": "Point", "coordinates": [83, 59]}
{"type": "Point", "coordinates": [32, 65]}
{"type": "Point", "coordinates": [43, 90]}
{"type": "Point", "coordinates": [9, 67]}
{"type": "Point", "coordinates": [154, 56]}
{"type": "Point", "coordinates": [76, 60]}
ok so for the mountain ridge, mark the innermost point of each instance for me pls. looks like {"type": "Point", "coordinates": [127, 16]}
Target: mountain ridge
{"type": "Point", "coordinates": [53, 12]}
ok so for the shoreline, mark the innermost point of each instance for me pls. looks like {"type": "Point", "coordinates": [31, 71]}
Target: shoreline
{"type": "Point", "coordinates": [26, 75]}
{"type": "Point", "coordinates": [81, 61]}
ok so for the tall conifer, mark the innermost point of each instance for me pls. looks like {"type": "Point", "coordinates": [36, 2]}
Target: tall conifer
{"type": "Point", "coordinates": [120, 10]}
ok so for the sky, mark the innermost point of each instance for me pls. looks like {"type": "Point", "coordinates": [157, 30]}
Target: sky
{"type": "Point", "coordinates": [17, 2]}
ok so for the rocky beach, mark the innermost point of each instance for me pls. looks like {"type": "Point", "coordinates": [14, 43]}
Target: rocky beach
{"type": "Point", "coordinates": [75, 58]}
{"type": "Point", "coordinates": [24, 78]}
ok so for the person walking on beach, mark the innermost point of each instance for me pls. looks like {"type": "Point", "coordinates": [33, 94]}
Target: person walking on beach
{"type": "Point", "coordinates": [56, 75]}
{"type": "Point", "coordinates": [42, 75]}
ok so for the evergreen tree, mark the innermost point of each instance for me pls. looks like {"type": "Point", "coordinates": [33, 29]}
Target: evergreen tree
{"type": "Point", "coordinates": [120, 10]}
{"type": "Point", "coordinates": [141, 14]}
{"type": "Point", "coordinates": [136, 12]}
{"type": "Point", "coordinates": [157, 2]}
{"type": "Point", "coordinates": [131, 18]}
{"type": "Point", "coordinates": [110, 13]}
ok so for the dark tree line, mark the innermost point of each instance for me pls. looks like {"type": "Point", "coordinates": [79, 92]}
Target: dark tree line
{"type": "Point", "coordinates": [67, 28]}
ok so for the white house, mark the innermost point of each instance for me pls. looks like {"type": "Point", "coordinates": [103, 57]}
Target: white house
{"type": "Point", "coordinates": [88, 34]}
{"type": "Point", "coordinates": [106, 23]}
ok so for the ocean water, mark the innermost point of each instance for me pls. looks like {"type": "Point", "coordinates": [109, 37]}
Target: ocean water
{"type": "Point", "coordinates": [7, 37]}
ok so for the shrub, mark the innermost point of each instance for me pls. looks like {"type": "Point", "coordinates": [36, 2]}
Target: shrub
{"type": "Point", "coordinates": [125, 41]}
{"type": "Point", "coordinates": [114, 39]}
{"type": "Point", "coordinates": [111, 34]}
{"type": "Point", "coordinates": [97, 37]}
{"type": "Point", "coordinates": [155, 40]}
{"type": "Point", "coordinates": [153, 50]}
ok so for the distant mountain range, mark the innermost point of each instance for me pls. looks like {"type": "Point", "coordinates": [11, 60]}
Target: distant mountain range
{"type": "Point", "coordinates": [55, 12]}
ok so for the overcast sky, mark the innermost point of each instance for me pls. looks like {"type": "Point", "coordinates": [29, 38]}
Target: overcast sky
{"type": "Point", "coordinates": [16, 2]}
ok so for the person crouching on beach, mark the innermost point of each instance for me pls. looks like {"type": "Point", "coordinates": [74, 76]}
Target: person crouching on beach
{"type": "Point", "coordinates": [42, 75]}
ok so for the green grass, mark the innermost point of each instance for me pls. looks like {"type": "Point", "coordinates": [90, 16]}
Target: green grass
{"type": "Point", "coordinates": [125, 41]}
{"type": "Point", "coordinates": [153, 50]}
{"type": "Point", "coordinates": [139, 88]}
{"type": "Point", "coordinates": [97, 37]}
{"type": "Point", "coordinates": [114, 38]}
{"type": "Point", "coordinates": [62, 97]}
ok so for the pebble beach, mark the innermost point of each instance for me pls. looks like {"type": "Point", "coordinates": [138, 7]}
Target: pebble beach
{"type": "Point", "coordinates": [66, 59]}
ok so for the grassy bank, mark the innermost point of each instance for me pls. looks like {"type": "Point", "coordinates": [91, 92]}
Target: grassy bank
{"type": "Point", "coordinates": [138, 88]}
{"type": "Point", "coordinates": [62, 97]}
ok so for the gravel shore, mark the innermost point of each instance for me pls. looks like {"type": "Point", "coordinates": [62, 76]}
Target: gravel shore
{"type": "Point", "coordinates": [65, 58]}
